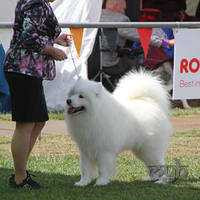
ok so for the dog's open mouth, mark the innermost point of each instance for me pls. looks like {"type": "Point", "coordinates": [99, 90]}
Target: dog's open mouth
{"type": "Point", "coordinates": [73, 110]}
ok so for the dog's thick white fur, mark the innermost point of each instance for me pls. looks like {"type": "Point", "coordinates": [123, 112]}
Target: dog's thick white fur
{"type": "Point", "coordinates": [165, 72]}
{"type": "Point", "coordinates": [102, 125]}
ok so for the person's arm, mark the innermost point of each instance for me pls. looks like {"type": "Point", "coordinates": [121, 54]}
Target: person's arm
{"type": "Point", "coordinates": [56, 53]}
{"type": "Point", "coordinates": [132, 34]}
{"type": "Point", "coordinates": [34, 38]}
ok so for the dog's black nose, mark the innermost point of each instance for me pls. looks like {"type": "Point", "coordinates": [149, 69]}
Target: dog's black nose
{"type": "Point", "coordinates": [69, 101]}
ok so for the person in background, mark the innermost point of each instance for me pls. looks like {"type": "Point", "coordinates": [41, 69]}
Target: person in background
{"type": "Point", "coordinates": [30, 60]}
{"type": "Point", "coordinates": [113, 40]}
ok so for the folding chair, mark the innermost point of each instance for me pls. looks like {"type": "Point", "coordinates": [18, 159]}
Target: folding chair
{"type": "Point", "coordinates": [96, 71]}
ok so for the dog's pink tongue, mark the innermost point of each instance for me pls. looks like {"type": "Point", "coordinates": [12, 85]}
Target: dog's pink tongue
{"type": "Point", "coordinates": [73, 110]}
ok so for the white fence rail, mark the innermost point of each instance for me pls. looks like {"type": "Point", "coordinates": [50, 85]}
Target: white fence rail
{"type": "Point", "coordinates": [5, 25]}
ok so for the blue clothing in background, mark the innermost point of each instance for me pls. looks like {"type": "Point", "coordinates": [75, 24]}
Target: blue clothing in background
{"type": "Point", "coordinates": [4, 90]}
{"type": "Point", "coordinates": [168, 50]}
{"type": "Point", "coordinates": [170, 35]}
{"type": "Point", "coordinates": [3, 83]}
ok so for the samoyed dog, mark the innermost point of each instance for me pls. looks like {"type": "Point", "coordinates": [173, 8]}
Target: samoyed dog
{"type": "Point", "coordinates": [134, 117]}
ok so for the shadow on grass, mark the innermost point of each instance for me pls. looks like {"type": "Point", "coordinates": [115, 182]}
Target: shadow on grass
{"type": "Point", "coordinates": [61, 187]}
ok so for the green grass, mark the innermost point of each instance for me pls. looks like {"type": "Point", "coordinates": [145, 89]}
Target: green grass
{"type": "Point", "coordinates": [57, 115]}
{"type": "Point", "coordinates": [176, 112]}
{"type": "Point", "coordinates": [189, 133]}
{"type": "Point", "coordinates": [57, 175]}
{"type": "Point", "coordinates": [52, 116]}
{"type": "Point", "coordinates": [55, 162]}
{"type": "Point", "coordinates": [5, 117]}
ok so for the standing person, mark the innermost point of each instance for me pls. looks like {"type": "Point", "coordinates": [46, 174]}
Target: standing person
{"type": "Point", "coordinates": [29, 60]}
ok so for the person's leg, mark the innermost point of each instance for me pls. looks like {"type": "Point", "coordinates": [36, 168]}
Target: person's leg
{"type": "Point", "coordinates": [23, 141]}
{"type": "Point", "coordinates": [30, 113]}
{"type": "Point", "coordinates": [34, 134]}
{"type": "Point", "coordinates": [20, 147]}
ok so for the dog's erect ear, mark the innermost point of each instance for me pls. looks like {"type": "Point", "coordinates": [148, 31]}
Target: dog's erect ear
{"type": "Point", "coordinates": [99, 88]}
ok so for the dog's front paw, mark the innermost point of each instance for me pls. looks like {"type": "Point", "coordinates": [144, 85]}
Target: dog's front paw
{"type": "Point", "coordinates": [102, 181]}
{"type": "Point", "coordinates": [82, 183]}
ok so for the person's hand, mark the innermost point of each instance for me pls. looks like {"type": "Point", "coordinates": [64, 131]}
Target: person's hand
{"type": "Point", "coordinates": [171, 42]}
{"type": "Point", "coordinates": [64, 40]}
{"type": "Point", "coordinates": [59, 54]}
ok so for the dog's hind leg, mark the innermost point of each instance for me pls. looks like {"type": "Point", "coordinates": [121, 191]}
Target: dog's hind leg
{"type": "Point", "coordinates": [88, 170]}
{"type": "Point", "coordinates": [153, 157]}
{"type": "Point", "coordinates": [106, 164]}
{"type": "Point", "coordinates": [157, 171]}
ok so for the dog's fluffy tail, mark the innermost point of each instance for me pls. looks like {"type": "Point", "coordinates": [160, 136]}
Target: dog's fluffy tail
{"type": "Point", "coordinates": [143, 85]}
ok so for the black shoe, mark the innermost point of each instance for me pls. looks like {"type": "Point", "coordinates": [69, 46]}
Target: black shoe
{"type": "Point", "coordinates": [12, 179]}
{"type": "Point", "coordinates": [28, 182]}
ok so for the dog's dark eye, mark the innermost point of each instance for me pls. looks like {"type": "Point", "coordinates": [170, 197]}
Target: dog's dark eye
{"type": "Point", "coordinates": [80, 96]}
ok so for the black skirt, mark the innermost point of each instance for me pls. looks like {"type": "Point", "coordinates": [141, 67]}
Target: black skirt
{"type": "Point", "coordinates": [28, 102]}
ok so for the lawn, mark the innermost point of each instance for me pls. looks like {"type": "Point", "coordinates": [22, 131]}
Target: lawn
{"type": "Point", "coordinates": [176, 112]}
{"type": "Point", "coordinates": [55, 162]}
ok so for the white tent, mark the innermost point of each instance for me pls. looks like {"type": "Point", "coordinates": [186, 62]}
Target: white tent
{"type": "Point", "coordinates": [6, 15]}
{"type": "Point", "coordinates": [67, 11]}
{"type": "Point", "coordinates": [72, 11]}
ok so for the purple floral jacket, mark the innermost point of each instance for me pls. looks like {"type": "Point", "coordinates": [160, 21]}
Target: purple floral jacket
{"type": "Point", "coordinates": [35, 26]}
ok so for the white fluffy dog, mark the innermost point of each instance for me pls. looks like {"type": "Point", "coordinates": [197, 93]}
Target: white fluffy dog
{"type": "Point", "coordinates": [102, 125]}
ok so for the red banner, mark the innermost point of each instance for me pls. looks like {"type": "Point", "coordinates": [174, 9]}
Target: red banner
{"type": "Point", "coordinates": [145, 37]}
